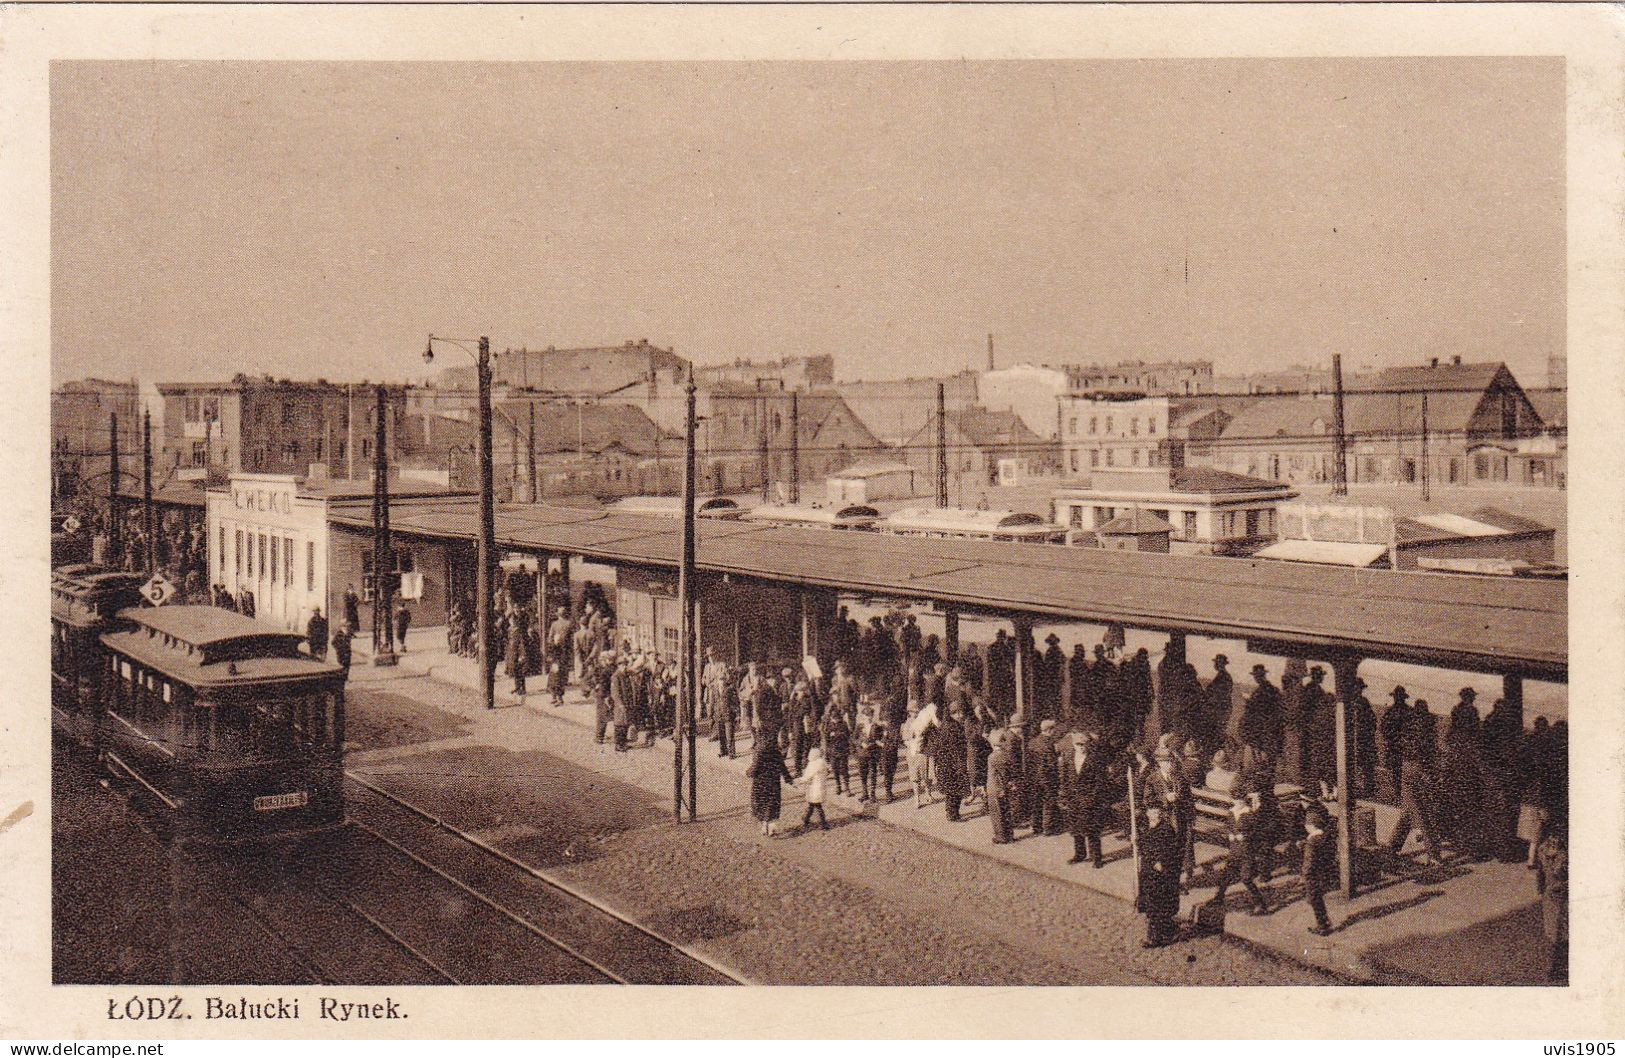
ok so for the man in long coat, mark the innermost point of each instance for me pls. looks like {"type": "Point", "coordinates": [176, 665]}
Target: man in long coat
{"type": "Point", "coordinates": [1045, 769]}
{"type": "Point", "coordinates": [1262, 717]}
{"type": "Point", "coordinates": [316, 634]}
{"type": "Point", "coordinates": [1218, 700]}
{"type": "Point", "coordinates": [949, 755]}
{"type": "Point", "coordinates": [1158, 898]}
{"type": "Point", "coordinates": [1001, 780]}
{"type": "Point", "coordinates": [1086, 795]}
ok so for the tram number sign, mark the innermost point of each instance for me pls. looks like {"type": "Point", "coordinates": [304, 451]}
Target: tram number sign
{"type": "Point", "coordinates": [273, 802]}
{"type": "Point", "coordinates": [158, 590]}
{"type": "Point", "coordinates": [70, 524]}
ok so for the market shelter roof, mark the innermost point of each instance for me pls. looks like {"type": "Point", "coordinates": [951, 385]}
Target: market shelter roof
{"type": "Point", "coordinates": [1426, 618]}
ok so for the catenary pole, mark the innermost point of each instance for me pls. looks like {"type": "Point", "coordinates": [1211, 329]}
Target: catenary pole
{"type": "Point", "coordinates": [485, 556]}
{"type": "Point", "coordinates": [688, 680]}
{"type": "Point", "coordinates": [383, 561]}
{"type": "Point", "coordinates": [113, 528]}
{"type": "Point", "coordinates": [1340, 467]}
{"type": "Point", "coordinates": [942, 436]}
{"type": "Point", "coordinates": [149, 514]}
{"type": "Point", "coordinates": [795, 447]}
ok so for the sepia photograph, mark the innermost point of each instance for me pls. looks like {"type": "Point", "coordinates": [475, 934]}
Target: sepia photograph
{"type": "Point", "coordinates": [1000, 521]}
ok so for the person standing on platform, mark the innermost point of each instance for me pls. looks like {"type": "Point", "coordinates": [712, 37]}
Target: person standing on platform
{"type": "Point", "coordinates": [518, 626]}
{"type": "Point", "coordinates": [816, 777]}
{"type": "Point", "coordinates": [1393, 737]}
{"type": "Point", "coordinates": [1085, 795]}
{"type": "Point", "coordinates": [867, 737]}
{"type": "Point", "coordinates": [712, 678]}
{"type": "Point", "coordinates": [1245, 846]}
{"type": "Point", "coordinates": [1000, 785]}
{"type": "Point", "coordinates": [602, 675]}
{"type": "Point", "coordinates": [1078, 679]}
{"type": "Point", "coordinates": [621, 692]}
{"type": "Point", "coordinates": [1552, 883]}
{"type": "Point", "coordinates": [403, 622]}
{"type": "Point", "coordinates": [1218, 701]}
{"type": "Point", "coordinates": [316, 634]}
{"type": "Point", "coordinates": [1158, 898]}
{"type": "Point", "coordinates": [1319, 868]}
{"type": "Point", "coordinates": [836, 738]}
{"type": "Point", "coordinates": [1363, 719]}
{"type": "Point", "coordinates": [560, 635]}
{"type": "Point", "coordinates": [1046, 779]}
{"type": "Point", "coordinates": [727, 711]}
{"type": "Point", "coordinates": [766, 773]}
{"type": "Point", "coordinates": [1262, 719]}
{"type": "Point", "coordinates": [342, 648]}
{"type": "Point", "coordinates": [949, 757]}
{"type": "Point", "coordinates": [352, 607]}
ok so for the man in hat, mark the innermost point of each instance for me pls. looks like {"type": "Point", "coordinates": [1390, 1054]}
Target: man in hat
{"type": "Point", "coordinates": [726, 710]}
{"type": "Point", "coordinates": [342, 647]}
{"type": "Point", "coordinates": [712, 676]}
{"type": "Point", "coordinates": [1162, 782]}
{"type": "Point", "coordinates": [1158, 898]}
{"type": "Point", "coordinates": [1000, 784]}
{"type": "Point", "coordinates": [1218, 699]}
{"type": "Point", "coordinates": [1048, 669]}
{"type": "Point", "coordinates": [560, 634]}
{"type": "Point", "coordinates": [1018, 796]}
{"type": "Point", "coordinates": [1393, 736]}
{"type": "Point", "coordinates": [599, 679]}
{"type": "Point", "coordinates": [1086, 794]}
{"type": "Point", "coordinates": [1363, 719]}
{"type": "Point", "coordinates": [1319, 867]}
{"type": "Point", "coordinates": [352, 607]}
{"type": "Point", "coordinates": [316, 634]}
{"type": "Point", "coordinates": [1262, 718]}
{"type": "Point", "coordinates": [1046, 779]}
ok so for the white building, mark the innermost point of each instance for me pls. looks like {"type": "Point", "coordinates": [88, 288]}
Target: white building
{"type": "Point", "coordinates": [1210, 511]}
{"type": "Point", "coordinates": [1116, 431]}
{"type": "Point", "coordinates": [868, 482]}
{"type": "Point", "coordinates": [1029, 390]}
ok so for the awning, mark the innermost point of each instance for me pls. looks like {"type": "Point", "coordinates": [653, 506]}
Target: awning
{"type": "Point", "coordinates": [1327, 552]}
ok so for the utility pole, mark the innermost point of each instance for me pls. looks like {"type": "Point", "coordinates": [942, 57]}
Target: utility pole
{"type": "Point", "coordinates": [383, 563]}
{"type": "Point", "coordinates": [530, 454]}
{"type": "Point", "coordinates": [795, 447]}
{"type": "Point", "coordinates": [1340, 469]}
{"type": "Point", "coordinates": [688, 681]}
{"type": "Point", "coordinates": [113, 534]}
{"type": "Point", "coordinates": [942, 437]}
{"type": "Point", "coordinates": [1425, 489]}
{"type": "Point", "coordinates": [349, 426]}
{"type": "Point", "coordinates": [767, 474]}
{"type": "Point", "coordinates": [149, 514]}
{"type": "Point", "coordinates": [485, 555]}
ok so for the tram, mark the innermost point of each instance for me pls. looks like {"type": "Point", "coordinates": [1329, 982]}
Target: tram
{"type": "Point", "coordinates": [222, 721]}
{"type": "Point", "coordinates": [672, 506]}
{"type": "Point", "coordinates": [84, 602]}
{"type": "Point", "coordinates": [815, 515]}
{"type": "Point", "coordinates": [959, 523]}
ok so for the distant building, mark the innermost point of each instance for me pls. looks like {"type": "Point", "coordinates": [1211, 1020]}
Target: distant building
{"type": "Point", "coordinates": [1341, 534]}
{"type": "Point", "coordinates": [1029, 390]}
{"type": "Point", "coordinates": [1208, 511]}
{"type": "Point", "coordinates": [745, 432]}
{"type": "Point", "coordinates": [271, 426]}
{"type": "Point", "coordinates": [633, 372]}
{"type": "Point", "coordinates": [895, 409]}
{"type": "Point", "coordinates": [1298, 378]}
{"type": "Point", "coordinates": [793, 372]}
{"type": "Point", "coordinates": [1166, 377]}
{"type": "Point", "coordinates": [80, 418]}
{"type": "Point", "coordinates": [983, 446]}
{"type": "Point", "coordinates": [868, 482]}
{"type": "Point", "coordinates": [1109, 431]}
{"type": "Point", "coordinates": [1137, 530]}
{"type": "Point", "coordinates": [1469, 407]}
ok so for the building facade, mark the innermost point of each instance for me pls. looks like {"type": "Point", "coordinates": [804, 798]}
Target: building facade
{"type": "Point", "coordinates": [793, 372]}
{"type": "Point", "coordinates": [1207, 511]}
{"type": "Point", "coordinates": [1166, 377]}
{"type": "Point", "coordinates": [1029, 390]}
{"type": "Point", "coordinates": [984, 448]}
{"type": "Point", "coordinates": [895, 409]}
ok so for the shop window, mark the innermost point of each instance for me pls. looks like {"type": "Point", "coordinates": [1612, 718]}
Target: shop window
{"type": "Point", "coordinates": [276, 542]}
{"type": "Point", "coordinates": [310, 565]}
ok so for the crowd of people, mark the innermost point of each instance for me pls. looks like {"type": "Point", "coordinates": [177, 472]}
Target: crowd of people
{"type": "Point", "coordinates": [181, 547]}
{"type": "Point", "coordinates": [1103, 729]}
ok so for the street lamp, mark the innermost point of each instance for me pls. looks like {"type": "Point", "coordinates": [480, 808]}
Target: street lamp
{"type": "Point", "coordinates": [485, 550]}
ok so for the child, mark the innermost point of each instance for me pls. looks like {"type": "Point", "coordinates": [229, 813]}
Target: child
{"type": "Point", "coordinates": [1319, 868]}
{"type": "Point", "coordinates": [870, 734]}
{"type": "Point", "coordinates": [815, 775]}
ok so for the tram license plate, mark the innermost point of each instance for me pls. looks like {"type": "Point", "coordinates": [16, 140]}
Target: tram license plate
{"type": "Point", "coordinates": [272, 802]}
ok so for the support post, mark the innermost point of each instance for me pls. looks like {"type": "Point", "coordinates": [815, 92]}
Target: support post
{"type": "Point", "coordinates": [950, 635]}
{"type": "Point", "coordinates": [1344, 670]}
{"type": "Point", "coordinates": [1425, 484]}
{"type": "Point", "coordinates": [688, 679]}
{"type": "Point", "coordinates": [383, 563]}
{"type": "Point", "coordinates": [1340, 469]}
{"type": "Point", "coordinates": [530, 455]}
{"type": "Point", "coordinates": [149, 513]}
{"type": "Point", "coordinates": [485, 555]}
{"type": "Point", "coordinates": [795, 448]}
{"type": "Point", "coordinates": [1024, 638]}
{"type": "Point", "coordinates": [113, 528]}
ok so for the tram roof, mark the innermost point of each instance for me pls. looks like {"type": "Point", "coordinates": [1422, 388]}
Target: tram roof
{"type": "Point", "coordinates": [201, 627]}
{"type": "Point", "coordinates": [1462, 622]}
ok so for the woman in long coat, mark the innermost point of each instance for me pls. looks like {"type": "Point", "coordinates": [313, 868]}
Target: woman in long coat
{"type": "Point", "coordinates": [766, 771]}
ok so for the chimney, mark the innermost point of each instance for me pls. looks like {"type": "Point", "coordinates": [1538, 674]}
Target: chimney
{"type": "Point", "coordinates": [1456, 360]}
{"type": "Point", "coordinates": [1434, 362]}
{"type": "Point", "coordinates": [990, 351]}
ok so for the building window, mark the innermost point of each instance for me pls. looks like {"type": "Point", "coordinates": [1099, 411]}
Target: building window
{"type": "Point", "coordinates": [366, 448]}
{"type": "Point", "coordinates": [1074, 461]}
{"type": "Point", "coordinates": [220, 556]}
{"type": "Point", "coordinates": [1190, 525]}
{"type": "Point", "coordinates": [310, 565]}
{"type": "Point", "coordinates": [1076, 518]}
{"type": "Point", "coordinates": [1252, 523]}
{"type": "Point", "coordinates": [1072, 426]}
{"type": "Point", "coordinates": [262, 556]}
{"type": "Point", "coordinates": [1093, 423]}
{"type": "Point", "coordinates": [1136, 457]}
{"type": "Point", "coordinates": [1151, 427]}
{"type": "Point", "coordinates": [1134, 427]}
{"type": "Point", "coordinates": [1109, 455]}
{"type": "Point", "coordinates": [1094, 457]}
{"type": "Point", "coordinates": [287, 561]}
{"type": "Point", "coordinates": [276, 542]}
{"type": "Point", "coordinates": [287, 413]}
{"type": "Point", "coordinates": [403, 563]}
{"type": "Point", "coordinates": [1108, 425]}
{"type": "Point", "coordinates": [200, 453]}
{"type": "Point", "coordinates": [237, 554]}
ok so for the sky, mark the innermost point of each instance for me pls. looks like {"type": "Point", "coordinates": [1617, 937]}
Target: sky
{"type": "Point", "coordinates": [319, 220]}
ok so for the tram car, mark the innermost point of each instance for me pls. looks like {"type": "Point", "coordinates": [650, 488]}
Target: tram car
{"type": "Point", "coordinates": [815, 515]}
{"type": "Point", "coordinates": [961, 524]}
{"type": "Point", "coordinates": [222, 721]}
{"type": "Point", "coordinates": [672, 507]}
{"type": "Point", "coordinates": [84, 602]}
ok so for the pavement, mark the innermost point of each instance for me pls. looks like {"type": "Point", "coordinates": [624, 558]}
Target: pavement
{"type": "Point", "coordinates": [1460, 923]}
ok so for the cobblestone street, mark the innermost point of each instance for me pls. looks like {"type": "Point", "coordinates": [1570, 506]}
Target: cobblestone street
{"type": "Point", "coordinates": [863, 903]}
